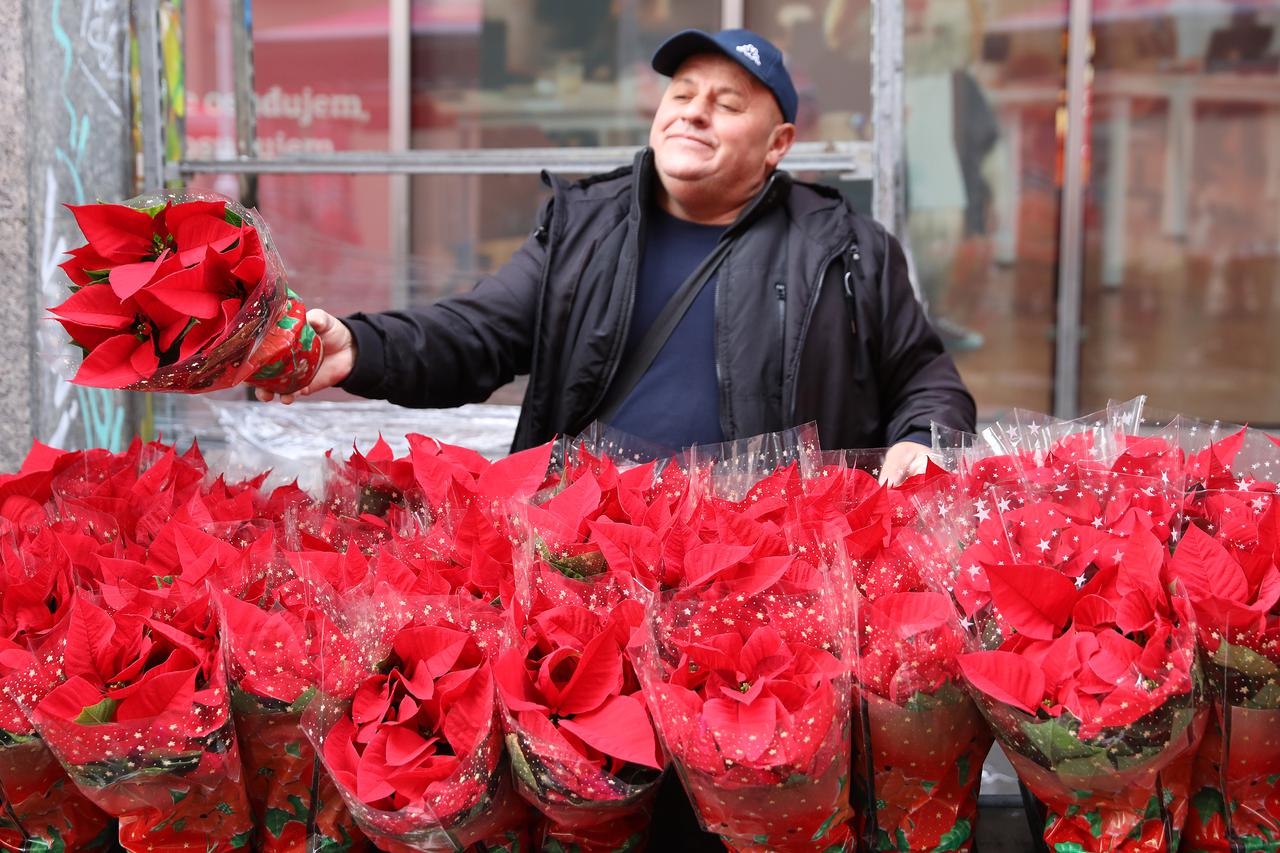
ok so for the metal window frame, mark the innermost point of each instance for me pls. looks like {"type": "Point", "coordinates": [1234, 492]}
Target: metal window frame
{"type": "Point", "coordinates": [1066, 371]}
{"type": "Point", "coordinates": [852, 160]}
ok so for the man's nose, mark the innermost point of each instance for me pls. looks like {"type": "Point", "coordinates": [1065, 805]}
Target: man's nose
{"type": "Point", "coordinates": [695, 110]}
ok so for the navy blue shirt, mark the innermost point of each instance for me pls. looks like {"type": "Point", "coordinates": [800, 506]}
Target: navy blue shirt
{"type": "Point", "coordinates": [677, 401]}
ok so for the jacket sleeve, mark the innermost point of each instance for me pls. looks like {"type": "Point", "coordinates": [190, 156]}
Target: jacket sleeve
{"type": "Point", "coordinates": [918, 381]}
{"type": "Point", "coordinates": [458, 350]}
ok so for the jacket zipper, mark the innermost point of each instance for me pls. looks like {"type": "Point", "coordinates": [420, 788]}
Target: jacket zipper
{"type": "Point", "coordinates": [789, 398]}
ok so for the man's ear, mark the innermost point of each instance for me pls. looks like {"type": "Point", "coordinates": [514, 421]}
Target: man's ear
{"type": "Point", "coordinates": [780, 142]}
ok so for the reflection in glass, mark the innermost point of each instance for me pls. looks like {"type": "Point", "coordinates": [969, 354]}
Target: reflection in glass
{"type": "Point", "coordinates": [827, 44]}
{"type": "Point", "coordinates": [541, 73]}
{"type": "Point", "coordinates": [983, 84]}
{"type": "Point", "coordinates": [1182, 274]}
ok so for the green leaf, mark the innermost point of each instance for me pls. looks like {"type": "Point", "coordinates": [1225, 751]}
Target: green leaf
{"type": "Point", "coordinates": [99, 714]}
{"type": "Point", "coordinates": [1207, 802]}
{"type": "Point", "coordinates": [761, 839]}
{"type": "Point", "coordinates": [1095, 823]}
{"type": "Point", "coordinates": [287, 322]}
{"type": "Point", "coordinates": [1243, 659]}
{"type": "Point", "coordinates": [232, 217]}
{"type": "Point", "coordinates": [519, 764]}
{"type": "Point", "coordinates": [53, 844]}
{"type": "Point", "coordinates": [826, 826]}
{"type": "Point", "coordinates": [178, 796]}
{"type": "Point", "coordinates": [241, 839]}
{"type": "Point", "coordinates": [1068, 847]}
{"type": "Point", "coordinates": [954, 838]}
{"type": "Point", "coordinates": [928, 786]}
{"type": "Point", "coordinates": [275, 819]}
{"type": "Point", "coordinates": [179, 825]}
{"type": "Point", "coordinates": [304, 699]}
{"type": "Point", "coordinates": [1058, 743]}
{"type": "Point", "coordinates": [293, 748]}
{"type": "Point", "coordinates": [225, 808]}
{"type": "Point", "coordinates": [962, 764]}
{"type": "Point", "coordinates": [1267, 698]}
{"type": "Point", "coordinates": [12, 739]}
{"type": "Point", "coordinates": [306, 338]}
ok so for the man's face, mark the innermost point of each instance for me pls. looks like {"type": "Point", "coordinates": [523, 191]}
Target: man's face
{"type": "Point", "coordinates": [717, 126]}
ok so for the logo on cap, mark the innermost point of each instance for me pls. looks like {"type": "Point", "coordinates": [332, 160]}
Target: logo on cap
{"type": "Point", "coordinates": [750, 52]}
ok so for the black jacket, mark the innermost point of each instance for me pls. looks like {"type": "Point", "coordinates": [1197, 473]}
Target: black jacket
{"type": "Point", "coordinates": [791, 345]}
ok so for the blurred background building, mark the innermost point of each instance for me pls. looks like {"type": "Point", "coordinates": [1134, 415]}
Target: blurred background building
{"type": "Point", "coordinates": [1180, 251]}
{"type": "Point", "coordinates": [1175, 263]}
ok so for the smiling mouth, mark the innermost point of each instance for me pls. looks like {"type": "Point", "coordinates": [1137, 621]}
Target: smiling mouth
{"type": "Point", "coordinates": [685, 138]}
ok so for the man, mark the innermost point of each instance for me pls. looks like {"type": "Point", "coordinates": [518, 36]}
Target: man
{"type": "Point", "coordinates": [788, 307]}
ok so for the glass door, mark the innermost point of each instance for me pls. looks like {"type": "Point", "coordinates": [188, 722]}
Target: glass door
{"type": "Point", "coordinates": [985, 100]}
{"type": "Point", "coordinates": [1182, 227]}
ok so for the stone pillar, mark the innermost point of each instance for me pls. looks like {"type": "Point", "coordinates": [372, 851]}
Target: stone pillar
{"type": "Point", "coordinates": [17, 297]}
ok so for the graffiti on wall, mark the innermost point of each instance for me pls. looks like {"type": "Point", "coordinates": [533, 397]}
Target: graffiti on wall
{"type": "Point", "coordinates": [81, 154]}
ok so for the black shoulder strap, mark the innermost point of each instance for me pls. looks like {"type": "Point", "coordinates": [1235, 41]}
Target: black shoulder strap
{"type": "Point", "coordinates": [628, 375]}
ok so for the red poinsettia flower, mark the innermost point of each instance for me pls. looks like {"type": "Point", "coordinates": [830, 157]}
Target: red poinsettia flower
{"type": "Point", "coordinates": [413, 731]}
{"type": "Point", "coordinates": [149, 279]}
{"type": "Point", "coordinates": [569, 686]}
{"type": "Point", "coordinates": [755, 700]}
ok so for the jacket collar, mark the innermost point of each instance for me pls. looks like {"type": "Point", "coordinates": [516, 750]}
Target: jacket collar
{"type": "Point", "coordinates": [776, 189]}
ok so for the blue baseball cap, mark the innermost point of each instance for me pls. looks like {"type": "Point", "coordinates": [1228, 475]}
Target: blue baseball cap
{"type": "Point", "coordinates": [750, 50]}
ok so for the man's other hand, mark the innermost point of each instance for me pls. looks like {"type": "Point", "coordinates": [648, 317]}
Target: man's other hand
{"type": "Point", "coordinates": [905, 459]}
{"type": "Point", "coordinates": [336, 363]}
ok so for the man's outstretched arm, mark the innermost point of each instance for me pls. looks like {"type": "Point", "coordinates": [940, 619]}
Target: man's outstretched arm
{"type": "Point", "coordinates": [458, 350]}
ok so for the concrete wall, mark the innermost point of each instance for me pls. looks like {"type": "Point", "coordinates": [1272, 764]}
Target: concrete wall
{"type": "Point", "coordinates": [16, 293]}
{"type": "Point", "coordinates": [64, 102]}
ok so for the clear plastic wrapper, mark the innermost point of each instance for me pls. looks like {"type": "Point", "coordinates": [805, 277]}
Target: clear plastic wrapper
{"type": "Point", "coordinates": [580, 738]}
{"type": "Point", "coordinates": [1229, 560]}
{"type": "Point", "coordinates": [273, 676]}
{"type": "Point", "coordinates": [920, 739]}
{"type": "Point", "coordinates": [183, 291]}
{"type": "Point", "coordinates": [42, 808]}
{"type": "Point", "coordinates": [41, 805]}
{"type": "Point", "coordinates": [581, 742]}
{"type": "Point", "coordinates": [733, 468]}
{"type": "Point", "coordinates": [138, 712]}
{"type": "Point", "coordinates": [416, 747]}
{"type": "Point", "coordinates": [1083, 655]}
{"type": "Point", "coordinates": [747, 673]}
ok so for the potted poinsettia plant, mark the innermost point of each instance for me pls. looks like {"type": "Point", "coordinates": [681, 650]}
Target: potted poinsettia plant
{"type": "Point", "coordinates": [137, 710]}
{"type": "Point", "coordinates": [747, 673]}
{"type": "Point", "coordinates": [581, 742]}
{"type": "Point", "coordinates": [1084, 657]}
{"type": "Point", "coordinates": [273, 676]}
{"type": "Point", "coordinates": [920, 739]}
{"type": "Point", "coordinates": [1228, 558]}
{"type": "Point", "coordinates": [183, 292]}
{"type": "Point", "coordinates": [43, 806]}
{"type": "Point", "coordinates": [416, 747]}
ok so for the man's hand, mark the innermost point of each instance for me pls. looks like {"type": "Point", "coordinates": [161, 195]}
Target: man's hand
{"type": "Point", "coordinates": [336, 363]}
{"type": "Point", "coordinates": [905, 459]}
